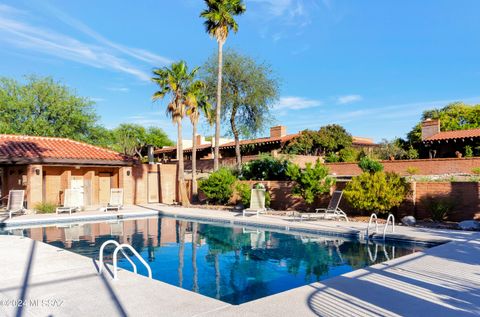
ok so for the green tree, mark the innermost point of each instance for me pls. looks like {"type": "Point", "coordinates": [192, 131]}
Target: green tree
{"type": "Point", "coordinates": [311, 181]}
{"type": "Point", "coordinates": [249, 91]}
{"type": "Point", "coordinates": [174, 82]}
{"type": "Point", "coordinates": [306, 143]}
{"type": "Point", "coordinates": [329, 139]}
{"type": "Point", "coordinates": [219, 20]}
{"type": "Point", "coordinates": [197, 103]}
{"type": "Point", "coordinates": [130, 138]}
{"type": "Point", "coordinates": [333, 138]}
{"type": "Point", "coordinates": [376, 192]}
{"type": "Point", "coordinates": [44, 107]}
{"type": "Point", "coordinates": [157, 137]}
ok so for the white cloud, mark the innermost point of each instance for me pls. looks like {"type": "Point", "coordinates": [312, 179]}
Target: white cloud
{"type": "Point", "coordinates": [343, 100]}
{"type": "Point", "coordinates": [101, 54]}
{"type": "Point", "coordinates": [119, 89]}
{"type": "Point", "coordinates": [296, 103]}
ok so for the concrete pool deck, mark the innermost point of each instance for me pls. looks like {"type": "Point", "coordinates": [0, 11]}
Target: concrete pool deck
{"type": "Point", "coordinates": [441, 281]}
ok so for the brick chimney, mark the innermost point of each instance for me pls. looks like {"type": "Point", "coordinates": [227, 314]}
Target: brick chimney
{"type": "Point", "coordinates": [199, 139]}
{"type": "Point", "coordinates": [430, 127]}
{"type": "Point", "coordinates": [278, 131]}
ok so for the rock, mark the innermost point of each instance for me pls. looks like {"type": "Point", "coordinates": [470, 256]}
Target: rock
{"type": "Point", "coordinates": [409, 221]}
{"type": "Point", "coordinates": [469, 225]}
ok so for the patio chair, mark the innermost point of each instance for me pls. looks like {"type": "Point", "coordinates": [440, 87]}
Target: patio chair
{"type": "Point", "coordinates": [332, 211]}
{"type": "Point", "coordinates": [257, 202]}
{"type": "Point", "coordinates": [69, 200]}
{"type": "Point", "coordinates": [116, 199]}
{"type": "Point", "coordinates": [16, 199]}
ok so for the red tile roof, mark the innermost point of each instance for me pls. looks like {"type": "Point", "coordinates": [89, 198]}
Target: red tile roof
{"type": "Point", "coordinates": [20, 148]}
{"type": "Point", "coordinates": [261, 140]}
{"type": "Point", "coordinates": [265, 140]}
{"type": "Point", "coordinates": [457, 134]}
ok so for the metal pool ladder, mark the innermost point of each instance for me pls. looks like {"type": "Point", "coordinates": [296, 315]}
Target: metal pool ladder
{"type": "Point", "coordinates": [392, 219]}
{"type": "Point", "coordinates": [120, 248]}
{"type": "Point", "coordinates": [373, 217]}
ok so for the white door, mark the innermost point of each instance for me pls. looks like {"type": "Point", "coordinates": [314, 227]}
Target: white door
{"type": "Point", "coordinates": [77, 183]}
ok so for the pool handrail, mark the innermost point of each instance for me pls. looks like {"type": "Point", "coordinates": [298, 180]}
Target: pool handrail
{"type": "Point", "coordinates": [392, 219]}
{"type": "Point", "coordinates": [128, 246]}
{"type": "Point", "coordinates": [372, 216]}
{"type": "Point", "coordinates": [100, 256]}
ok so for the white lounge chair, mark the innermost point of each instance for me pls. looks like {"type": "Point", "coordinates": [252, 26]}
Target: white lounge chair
{"type": "Point", "coordinates": [333, 210]}
{"type": "Point", "coordinates": [16, 200]}
{"type": "Point", "coordinates": [69, 201]}
{"type": "Point", "coordinates": [257, 202]}
{"type": "Point", "coordinates": [116, 199]}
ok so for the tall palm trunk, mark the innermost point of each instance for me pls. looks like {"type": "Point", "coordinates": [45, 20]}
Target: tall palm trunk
{"type": "Point", "coordinates": [194, 162]}
{"type": "Point", "coordinates": [218, 110]}
{"type": "Point", "coordinates": [236, 136]}
{"type": "Point", "coordinates": [181, 167]}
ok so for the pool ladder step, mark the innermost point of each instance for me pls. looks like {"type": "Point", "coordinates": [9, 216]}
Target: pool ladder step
{"type": "Point", "coordinates": [120, 248]}
{"type": "Point", "coordinates": [374, 219]}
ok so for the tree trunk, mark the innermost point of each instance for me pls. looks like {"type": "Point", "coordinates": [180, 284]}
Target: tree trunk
{"type": "Point", "coordinates": [181, 167]}
{"type": "Point", "coordinates": [194, 163]}
{"type": "Point", "coordinates": [238, 154]}
{"type": "Point", "coordinates": [218, 110]}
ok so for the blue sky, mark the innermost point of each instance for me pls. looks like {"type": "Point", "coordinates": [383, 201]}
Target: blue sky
{"type": "Point", "coordinates": [372, 66]}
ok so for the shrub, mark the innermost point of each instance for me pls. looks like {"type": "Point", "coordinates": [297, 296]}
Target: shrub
{"type": "Point", "coordinates": [348, 154]}
{"type": "Point", "coordinates": [376, 192]}
{"type": "Point", "coordinates": [476, 170]}
{"type": "Point", "coordinates": [332, 158]}
{"type": "Point", "coordinates": [244, 191]}
{"type": "Point", "coordinates": [411, 170]}
{"type": "Point", "coordinates": [218, 187]}
{"type": "Point", "coordinates": [265, 167]}
{"type": "Point", "coordinates": [310, 182]}
{"type": "Point", "coordinates": [45, 208]}
{"type": "Point", "coordinates": [369, 165]}
{"type": "Point", "coordinates": [412, 153]}
{"type": "Point", "coordinates": [468, 151]}
{"type": "Point", "coordinates": [439, 207]}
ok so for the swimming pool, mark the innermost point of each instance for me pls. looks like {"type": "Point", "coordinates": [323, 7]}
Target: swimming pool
{"type": "Point", "coordinates": [232, 264]}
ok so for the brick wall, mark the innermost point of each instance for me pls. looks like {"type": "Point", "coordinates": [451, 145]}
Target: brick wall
{"type": "Point", "coordinates": [425, 166]}
{"type": "Point", "coordinates": [207, 164]}
{"type": "Point", "coordinates": [466, 196]}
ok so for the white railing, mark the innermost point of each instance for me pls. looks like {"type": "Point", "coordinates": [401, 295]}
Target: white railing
{"type": "Point", "coordinates": [128, 246]}
{"type": "Point", "coordinates": [100, 256]}
{"type": "Point", "coordinates": [119, 248]}
{"type": "Point", "coordinates": [372, 216]}
{"type": "Point", "coordinates": [391, 219]}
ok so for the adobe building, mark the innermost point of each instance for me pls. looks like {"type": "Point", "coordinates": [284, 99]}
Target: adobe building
{"type": "Point", "coordinates": [448, 143]}
{"type": "Point", "coordinates": [44, 167]}
{"type": "Point", "coordinates": [274, 144]}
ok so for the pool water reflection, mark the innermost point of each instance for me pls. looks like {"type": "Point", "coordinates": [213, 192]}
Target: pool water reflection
{"type": "Point", "coordinates": [232, 264]}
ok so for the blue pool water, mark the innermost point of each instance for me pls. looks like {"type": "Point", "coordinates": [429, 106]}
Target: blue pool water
{"type": "Point", "coordinates": [232, 264]}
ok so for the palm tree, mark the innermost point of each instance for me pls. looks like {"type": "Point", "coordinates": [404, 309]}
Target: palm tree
{"type": "Point", "coordinates": [219, 20]}
{"type": "Point", "coordinates": [197, 103]}
{"type": "Point", "coordinates": [174, 81]}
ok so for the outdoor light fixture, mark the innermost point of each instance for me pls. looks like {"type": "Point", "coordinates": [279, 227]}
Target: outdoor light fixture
{"type": "Point", "coordinates": [37, 171]}
{"type": "Point", "coordinates": [128, 173]}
